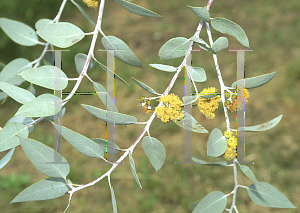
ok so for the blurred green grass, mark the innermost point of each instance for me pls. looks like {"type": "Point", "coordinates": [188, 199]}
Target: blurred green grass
{"type": "Point", "coordinates": [273, 30]}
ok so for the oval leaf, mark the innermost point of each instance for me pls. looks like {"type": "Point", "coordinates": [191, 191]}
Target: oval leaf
{"type": "Point", "coordinates": [80, 60]}
{"type": "Point", "coordinates": [18, 94]}
{"type": "Point", "coordinates": [190, 123]}
{"type": "Point", "coordinates": [105, 97]}
{"type": "Point", "coordinates": [213, 202]}
{"type": "Point", "coordinates": [61, 34]}
{"type": "Point", "coordinates": [81, 143]}
{"type": "Point", "coordinates": [110, 117]}
{"type": "Point", "coordinates": [42, 106]}
{"type": "Point", "coordinates": [203, 45]}
{"type": "Point", "coordinates": [138, 10]}
{"type": "Point", "coordinates": [144, 86]}
{"type": "Point", "coordinates": [226, 26]}
{"type": "Point", "coordinates": [46, 189]}
{"type": "Point", "coordinates": [197, 73]}
{"type": "Point", "coordinates": [220, 44]}
{"type": "Point", "coordinates": [43, 158]}
{"type": "Point", "coordinates": [109, 71]}
{"type": "Point", "coordinates": [201, 12]}
{"type": "Point", "coordinates": [268, 196]}
{"type": "Point", "coordinates": [221, 163]}
{"type": "Point", "coordinates": [8, 138]}
{"type": "Point", "coordinates": [174, 48]}
{"type": "Point", "coordinates": [42, 23]}
{"type": "Point", "coordinates": [6, 158]}
{"type": "Point", "coordinates": [132, 166]}
{"type": "Point", "coordinates": [163, 67]}
{"type": "Point", "coordinates": [217, 143]}
{"type": "Point", "coordinates": [46, 76]}
{"type": "Point", "coordinates": [10, 71]}
{"type": "Point", "coordinates": [19, 32]}
{"type": "Point", "coordinates": [155, 151]}
{"type": "Point", "coordinates": [107, 146]}
{"type": "Point", "coordinates": [248, 172]}
{"type": "Point", "coordinates": [123, 52]}
{"type": "Point", "coordinates": [255, 81]}
{"type": "Point", "coordinates": [262, 127]}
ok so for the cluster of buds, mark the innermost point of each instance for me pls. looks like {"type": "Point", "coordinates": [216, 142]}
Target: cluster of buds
{"type": "Point", "coordinates": [235, 101]}
{"type": "Point", "coordinates": [146, 104]}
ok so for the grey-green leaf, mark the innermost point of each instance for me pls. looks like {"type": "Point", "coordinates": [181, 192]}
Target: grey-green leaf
{"type": "Point", "coordinates": [255, 81]}
{"type": "Point", "coordinates": [8, 138]}
{"type": "Point", "coordinates": [6, 158]}
{"type": "Point", "coordinates": [221, 163]}
{"type": "Point", "coordinates": [190, 123]}
{"type": "Point", "coordinates": [42, 23]}
{"type": "Point", "coordinates": [42, 157]}
{"type": "Point", "coordinates": [113, 200]}
{"type": "Point", "coordinates": [49, 58]}
{"type": "Point", "coordinates": [46, 189]}
{"type": "Point", "coordinates": [80, 59]}
{"type": "Point", "coordinates": [174, 48]}
{"type": "Point", "coordinates": [109, 71]}
{"type": "Point", "coordinates": [262, 127]}
{"type": "Point", "coordinates": [213, 202]}
{"type": "Point", "coordinates": [18, 94]}
{"type": "Point", "coordinates": [81, 143]}
{"type": "Point", "coordinates": [105, 97]}
{"type": "Point", "coordinates": [163, 67]}
{"type": "Point", "coordinates": [19, 32]}
{"type": "Point", "coordinates": [203, 45]}
{"type": "Point", "coordinates": [144, 86]}
{"type": "Point", "coordinates": [226, 26]}
{"type": "Point", "coordinates": [136, 9]}
{"type": "Point", "coordinates": [84, 12]}
{"type": "Point", "coordinates": [61, 34]}
{"type": "Point", "coordinates": [107, 146]}
{"type": "Point", "coordinates": [10, 71]}
{"type": "Point", "coordinates": [220, 44]}
{"type": "Point", "coordinates": [46, 76]}
{"type": "Point", "coordinates": [42, 106]}
{"type": "Point", "coordinates": [197, 73]}
{"type": "Point", "coordinates": [217, 143]}
{"type": "Point", "coordinates": [268, 196]}
{"type": "Point", "coordinates": [201, 12]}
{"type": "Point", "coordinates": [122, 51]}
{"type": "Point", "coordinates": [22, 120]}
{"type": "Point", "coordinates": [155, 151]}
{"type": "Point", "coordinates": [132, 166]}
{"type": "Point", "coordinates": [110, 117]}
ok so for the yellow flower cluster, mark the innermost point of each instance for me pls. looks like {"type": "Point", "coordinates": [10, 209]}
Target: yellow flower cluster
{"type": "Point", "coordinates": [91, 3]}
{"type": "Point", "coordinates": [238, 104]}
{"type": "Point", "coordinates": [231, 146]}
{"type": "Point", "coordinates": [171, 109]}
{"type": "Point", "coordinates": [208, 105]}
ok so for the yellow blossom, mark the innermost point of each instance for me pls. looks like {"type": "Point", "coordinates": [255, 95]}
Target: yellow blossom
{"type": "Point", "coordinates": [208, 105]}
{"type": "Point", "coordinates": [227, 134]}
{"type": "Point", "coordinates": [231, 148]}
{"type": "Point", "coordinates": [91, 3]}
{"type": "Point", "coordinates": [171, 109]}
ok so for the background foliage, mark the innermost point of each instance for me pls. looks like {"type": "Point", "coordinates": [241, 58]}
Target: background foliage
{"type": "Point", "coordinates": [273, 30]}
